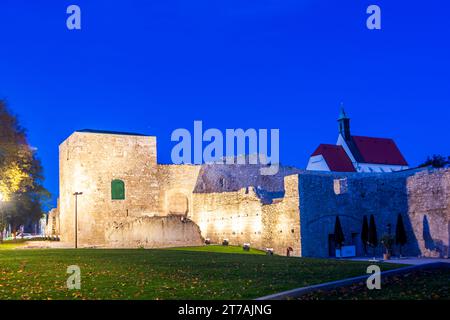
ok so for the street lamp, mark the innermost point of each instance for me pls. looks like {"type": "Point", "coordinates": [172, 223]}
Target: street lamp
{"type": "Point", "coordinates": [76, 194]}
{"type": "Point", "coordinates": [1, 221]}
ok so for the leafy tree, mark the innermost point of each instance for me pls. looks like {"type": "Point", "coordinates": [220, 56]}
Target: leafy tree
{"type": "Point", "coordinates": [437, 161]}
{"type": "Point", "coordinates": [373, 237]}
{"type": "Point", "coordinates": [21, 175]}
{"type": "Point", "coordinates": [365, 234]}
{"type": "Point", "coordinates": [338, 233]}
{"type": "Point", "coordinates": [400, 233]}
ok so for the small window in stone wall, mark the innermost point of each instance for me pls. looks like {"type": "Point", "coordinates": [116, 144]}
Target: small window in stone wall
{"type": "Point", "coordinates": [117, 190]}
{"type": "Point", "coordinates": [340, 186]}
{"type": "Point", "coordinates": [222, 183]}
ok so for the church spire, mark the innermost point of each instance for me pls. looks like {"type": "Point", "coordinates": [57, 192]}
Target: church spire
{"type": "Point", "coordinates": [342, 114]}
{"type": "Point", "coordinates": [344, 124]}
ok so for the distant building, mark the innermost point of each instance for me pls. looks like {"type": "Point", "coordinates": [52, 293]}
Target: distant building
{"type": "Point", "coordinates": [357, 153]}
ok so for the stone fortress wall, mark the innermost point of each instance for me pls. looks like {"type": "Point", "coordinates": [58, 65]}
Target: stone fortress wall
{"type": "Point", "coordinates": [351, 197]}
{"type": "Point", "coordinates": [421, 196]}
{"type": "Point", "coordinates": [88, 164]}
{"type": "Point", "coordinates": [429, 211]}
{"type": "Point", "coordinates": [245, 216]}
{"type": "Point", "coordinates": [181, 205]}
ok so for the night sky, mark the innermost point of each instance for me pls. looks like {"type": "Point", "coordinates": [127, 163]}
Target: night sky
{"type": "Point", "coordinates": [155, 66]}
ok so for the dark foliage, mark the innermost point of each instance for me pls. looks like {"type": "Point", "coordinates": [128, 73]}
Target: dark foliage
{"type": "Point", "coordinates": [437, 161]}
{"type": "Point", "coordinates": [21, 175]}
{"type": "Point", "coordinates": [338, 233]}
{"type": "Point", "coordinates": [373, 236]}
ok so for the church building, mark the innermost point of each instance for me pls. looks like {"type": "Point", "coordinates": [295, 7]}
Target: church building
{"type": "Point", "coordinates": [357, 153]}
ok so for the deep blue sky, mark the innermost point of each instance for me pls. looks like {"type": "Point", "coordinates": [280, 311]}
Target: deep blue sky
{"type": "Point", "coordinates": [154, 66]}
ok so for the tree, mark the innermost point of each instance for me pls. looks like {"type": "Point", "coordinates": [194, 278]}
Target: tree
{"type": "Point", "coordinates": [365, 234]}
{"type": "Point", "coordinates": [21, 175]}
{"type": "Point", "coordinates": [400, 233]}
{"type": "Point", "coordinates": [373, 237]}
{"type": "Point", "coordinates": [338, 233]}
{"type": "Point", "coordinates": [437, 161]}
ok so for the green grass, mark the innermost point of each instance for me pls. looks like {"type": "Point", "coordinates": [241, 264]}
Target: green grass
{"type": "Point", "coordinates": [417, 285]}
{"type": "Point", "coordinates": [9, 245]}
{"type": "Point", "coordinates": [220, 249]}
{"type": "Point", "coordinates": [162, 274]}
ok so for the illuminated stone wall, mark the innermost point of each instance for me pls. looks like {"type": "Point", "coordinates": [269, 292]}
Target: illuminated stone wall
{"type": "Point", "coordinates": [177, 183]}
{"type": "Point", "coordinates": [88, 164]}
{"type": "Point", "coordinates": [429, 211]}
{"type": "Point", "coordinates": [243, 217]}
{"type": "Point", "coordinates": [154, 232]}
{"type": "Point", "coordinates": [52, 226]}
{"type": "Point", "coordinates": [292, 209]}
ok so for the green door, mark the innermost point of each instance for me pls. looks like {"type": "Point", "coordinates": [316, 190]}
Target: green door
{"type": "Point", "coordinates": [117, 190]}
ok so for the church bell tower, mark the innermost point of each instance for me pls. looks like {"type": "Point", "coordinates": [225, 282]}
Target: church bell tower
{"type": "Point", "coordinates": [344, 124]}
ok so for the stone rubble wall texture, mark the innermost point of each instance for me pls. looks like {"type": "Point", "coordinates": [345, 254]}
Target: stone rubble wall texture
{"type": "Point", "coordinates": [240, 217]}
{"type": "Point", "coordinates": [429, 211]}
{"type": "Point", "coordinates": [88, 164]}
{"type": "Point", "coordinates": [52, 227]}
{"type": "Point", "coordinates": [176, 185]}
{"type": "Point", "coordinates": [154, 232]}
{"type": "Point", "coordinates": [293, 208]}
{"type": "Point", "coordinates": [415, 194]}
{"type": "Point", "coordinates": [383, 196]}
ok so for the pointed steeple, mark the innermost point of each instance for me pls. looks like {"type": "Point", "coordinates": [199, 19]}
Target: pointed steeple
{"type": "Point", "coordinates": [342, 114]}
{"type": "Point", "coordinates": [344, 124]}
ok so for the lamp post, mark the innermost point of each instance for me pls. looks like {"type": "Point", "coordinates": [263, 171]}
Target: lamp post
{"type": "Point", "coordinates": [76, 194]}
{"type": "Point", "coordinates": [2, 217]}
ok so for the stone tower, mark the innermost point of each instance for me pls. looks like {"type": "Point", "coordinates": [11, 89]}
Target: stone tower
{"type": "Point", "coordinates": [117, 174]}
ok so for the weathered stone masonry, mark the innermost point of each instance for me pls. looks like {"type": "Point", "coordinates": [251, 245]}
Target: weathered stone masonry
{"type": "Point", "coordinates": [420, 196]}
{"type": "Point", "coordinates": [429, 211]}
{"type": "Point", "coordinates": [181, 205]}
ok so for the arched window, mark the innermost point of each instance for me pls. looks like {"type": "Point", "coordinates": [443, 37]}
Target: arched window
{"type": "Point", "coordinates": [117, 190]}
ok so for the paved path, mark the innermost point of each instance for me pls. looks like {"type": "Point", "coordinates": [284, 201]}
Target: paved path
{"type": "Point", "coordinates": [417, 264]}
{"type": "Point", "coordinates": [408, 260]}
{"type": "Point", "coordinates": [44, 245]}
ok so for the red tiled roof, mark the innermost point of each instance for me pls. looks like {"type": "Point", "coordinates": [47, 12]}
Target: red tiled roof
{"type": "Point", "coordinates": [335, 157]}
{"type": "Point", "coordinates": [379, 151]}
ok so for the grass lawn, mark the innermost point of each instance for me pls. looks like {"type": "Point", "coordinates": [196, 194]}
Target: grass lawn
{"type": "Point", "coordinates": [220, 249]}
{"type": "Point", "coordinates": [188, 273]}
{"type": "Point", "coordinates": [417, 285]}
{"type": "Point", "coordinates": [8, 245]}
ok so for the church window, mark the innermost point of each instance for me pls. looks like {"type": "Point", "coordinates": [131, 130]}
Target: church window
{"type": "Point", "coordinates": [340, 186]}
{"type": "Point", "coordinates": [117, 190]}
